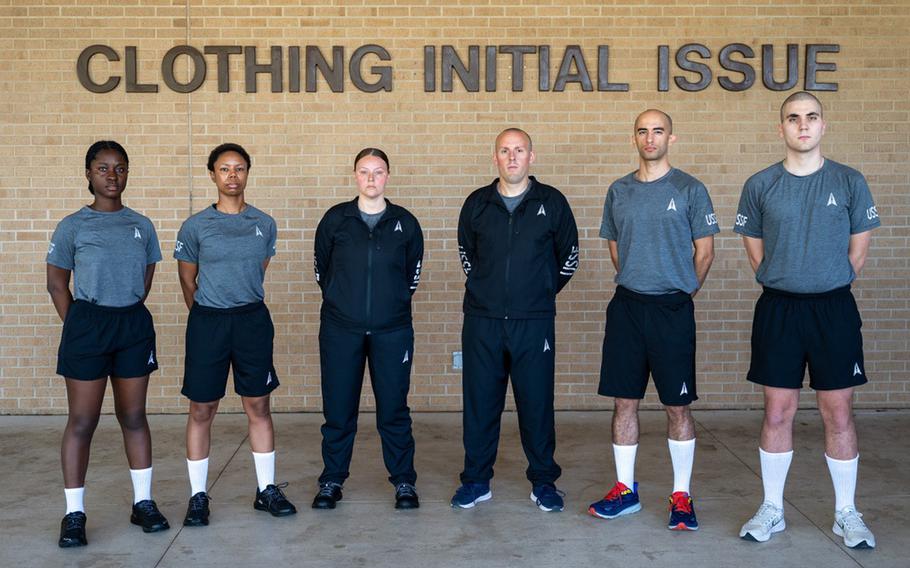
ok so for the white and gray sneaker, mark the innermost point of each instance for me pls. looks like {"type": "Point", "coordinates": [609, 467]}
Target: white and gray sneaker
{"type": "Point", "coordinates": [768, 520]}
{"type": "Point", "coordinates": [848, 523]}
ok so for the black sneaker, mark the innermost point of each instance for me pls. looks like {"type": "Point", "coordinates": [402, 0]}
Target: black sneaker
{"type": "Point", "coordinates": [146, 515]}
{"type": "Point", "coordinates": [406, 496]}
{"type": "Point", "coordinates": [329, 494]}
{"type": "Point", "coordinates": [197, 512]}
{"type": "Point", "coordinates": [271, 499]}
{"type": "Point", "coordinates": [72, 530]}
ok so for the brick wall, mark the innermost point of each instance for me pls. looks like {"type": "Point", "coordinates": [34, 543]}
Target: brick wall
{"type": "Point", "coordinates": [440, 145]}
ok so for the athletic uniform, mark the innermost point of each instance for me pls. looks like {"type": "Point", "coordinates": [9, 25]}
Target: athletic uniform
{"type": "Point", "coordinates": [108, 331]}
{"type": "Point", "coordinates": [650, 325]}
{"type": "Point", "coordinates": [806, 313]}
{"type": "Point", "coordinates": [229, 325]}
{"type": "Point", "coordinates": [517, 254]}
{"type": "Point", "coordinates": [367, 275]}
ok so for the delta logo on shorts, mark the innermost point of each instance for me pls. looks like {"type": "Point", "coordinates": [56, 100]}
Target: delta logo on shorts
{"type": "Point", "coordinates": [268, 380]}
{"type": "Point", "coordinates": [856, 369]}
{"type": "Point", "coordinates": [406, 359]}
{"type": "Point", "coordinates": [151, 360]}
{"type": "Point", "coordinates": [684, 390]}
{"type": "Point", "coordinates": [546, 345]}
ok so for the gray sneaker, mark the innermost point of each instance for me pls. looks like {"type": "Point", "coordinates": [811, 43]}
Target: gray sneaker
{"type": "Point", "coordinates": [848, 523]}
{"type": "Point", "coordinates": [767, 521]}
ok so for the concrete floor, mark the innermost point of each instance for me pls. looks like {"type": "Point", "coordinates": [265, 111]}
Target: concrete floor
{"type": "Point", "coordinates": [365, 530]}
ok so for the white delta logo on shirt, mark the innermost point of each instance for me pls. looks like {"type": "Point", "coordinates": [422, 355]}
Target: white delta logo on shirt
{"type": "Point", "coordinates": [136, 233]}
{"type": "Point", "coordinates": [671, 205]}
{"type": "Point", "coordinates": [542, 211]}
{"type": "Point", "coordinates": [398, 227]}
{"type": "Point", "coordinates": [258, 232]}
{"type": "Point", "coordinates": [50, 248]}
{"type": "Point", "coordinates": [831, 200]}
{"type": "Point", "coordinates": [178, 246]}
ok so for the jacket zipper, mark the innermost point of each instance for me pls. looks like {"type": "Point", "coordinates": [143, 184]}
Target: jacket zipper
{"type": "Point", "coordinates": [369, 281]}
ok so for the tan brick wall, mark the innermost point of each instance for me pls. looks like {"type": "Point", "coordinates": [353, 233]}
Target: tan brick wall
{"type": "Point", "coordinates": [439, 143]}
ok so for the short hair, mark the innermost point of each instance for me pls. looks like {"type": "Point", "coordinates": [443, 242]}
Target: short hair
{"type": "Point", "coordinates": [518, 131]}
{"type": "Point", "coordinates": [801, 96]}
{"type": "Point", "coordinates": [657, 110]}
{"type": "Point", "coordinates": [228, 147]}
{"type": "Point", "coordinates": [372, 152]}
{"type": "Point", "coordinates": [97, 148]}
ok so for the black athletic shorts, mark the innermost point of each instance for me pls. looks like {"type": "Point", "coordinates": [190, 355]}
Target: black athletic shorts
{"type": "Point", "coordinates": [790, 330]}
{"type": "Point", "coordinates": [219, 339]}
{"type": "Point", "coordinates": [649, 334]}
{"type": "Point", "coordinates": [100, 341]}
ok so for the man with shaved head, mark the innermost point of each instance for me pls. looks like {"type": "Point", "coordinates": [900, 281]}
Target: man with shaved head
{"type": "Point", "coordinates": [660, 225]}
{"type": "Point", "coordinates": [519, 246]}
{"type": "Point", "coordinates": [806, 224]}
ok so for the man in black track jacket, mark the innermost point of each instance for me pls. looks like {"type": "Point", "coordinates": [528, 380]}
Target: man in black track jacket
{"type": "Point", "coordinates": [519, 247]}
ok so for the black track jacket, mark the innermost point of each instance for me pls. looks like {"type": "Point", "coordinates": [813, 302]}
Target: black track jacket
{"type": "Point", "coordinates": [368, 277]}
{"type": "Point", "coordinates": [516, 263]}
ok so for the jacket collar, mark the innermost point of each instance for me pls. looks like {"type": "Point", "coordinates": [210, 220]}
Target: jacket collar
{"type": "Point", "coordinates": [391, 211]}
{"type": "Point", "coordinates": [534, 192]}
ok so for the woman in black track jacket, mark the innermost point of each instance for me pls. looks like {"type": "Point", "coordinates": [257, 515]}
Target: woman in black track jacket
{"type": "Point", "coordinates": [367, 261]}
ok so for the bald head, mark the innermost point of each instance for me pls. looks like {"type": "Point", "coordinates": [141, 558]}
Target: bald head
{"type": "Point", "coordinates": [652, 113]}
{"type": "Point", "coordinates": [519, 131]}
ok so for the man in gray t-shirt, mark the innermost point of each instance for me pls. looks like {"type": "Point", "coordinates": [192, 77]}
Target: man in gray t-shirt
{"type": "Point", "coordinates": [806, 224]}
{"type": "Point", "coordinates": [660, 225]}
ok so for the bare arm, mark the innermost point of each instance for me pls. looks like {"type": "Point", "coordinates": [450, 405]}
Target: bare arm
{"type": "Point", "coordinates": [58, 286]}
{"type": "Point", "coordinates": [187, 272]}
{"type": "Point", "coordinates": [702, 259]}
{"type": "Point", "coordinates": [755, 250]}
{"type": "Point", "coordinates": [614, 254]}
{"type": "Point", "coordinates": [858, 249]}
{"type": "Point", "coordinates": [149, 275]}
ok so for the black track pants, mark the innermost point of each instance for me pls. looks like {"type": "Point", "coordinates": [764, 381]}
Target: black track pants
{"type": "Point", "coordinates": [494, 350]}
{"type": "Point", "coordinates": [343, 355]}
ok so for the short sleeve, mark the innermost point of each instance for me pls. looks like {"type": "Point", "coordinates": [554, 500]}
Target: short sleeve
{"type": "Point", "coordinates": [61, 251]}
{"type": "Point", "coordinates": [702, 220]}
{"type": "Point", "coordinates": [273, 238]}
{"type": "Point", "coordinates": [187, 246]}
{"type": "Point", "coordinates": [607, 226]}
{"type": "Point", "coordinates": [152, 247]}
{"type": "Point", "coordinates": [748, 215]}
{"type": "Point", "coordinates": [863, 214]}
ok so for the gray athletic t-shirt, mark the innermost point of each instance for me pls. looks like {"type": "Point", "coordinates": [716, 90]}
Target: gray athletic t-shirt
{"type": "Point", "coordinates": [371, 219]}
{"type": "Point", "coordinates": [512, 203]}
{"type": "Point", "coordinates": [805, 223]}
{"type": "Point", "coordinates": [229, 251]}
{"type": "Point", "coordinates": [654, 224]}
{"type": "Point", "coordinates": [108, 254]}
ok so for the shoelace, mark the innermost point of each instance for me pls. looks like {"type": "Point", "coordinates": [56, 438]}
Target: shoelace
{"type": "Point", "coordinates": [148, 507]}
{"type": "Point", "coordinates": [548, 491]}
{"type": "Point", "coordinates": [325, 490]}
{"type": "Point", "coordinates": [615, 493]}
{"type": "Point", "coordinates": [198, 503]}
{"type": "Point", "coordinates": [405, 490]}
{"type": "Point", "coordinates": [468, 489]}
{"type": "Point", "coordinates": [74, 522]}
{"type": "Point", "coordinates": [766, 514]}
{"type": "Point", "coordinates": [853, 520]}
{"type": "Point", "coordinates": [682, 503]}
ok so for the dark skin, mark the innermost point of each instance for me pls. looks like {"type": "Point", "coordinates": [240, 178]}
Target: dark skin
{"type": "Point", "coordinates": [108, 176]}
{"type": "Point", "coordinates": [230, 177]}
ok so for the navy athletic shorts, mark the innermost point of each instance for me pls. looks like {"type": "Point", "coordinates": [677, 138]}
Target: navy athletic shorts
{"type": "Point", "coordinates": [221, 339]}
{"type": "Point", "coordinates": [792, 330]}
{"type": "Point", "coordinates": [101, 341]}
{"type": "Point", "coordinates": [649, 335]}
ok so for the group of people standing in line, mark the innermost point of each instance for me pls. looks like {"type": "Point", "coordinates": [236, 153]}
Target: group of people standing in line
{"type": "Point", "coordinates": [805, 224]}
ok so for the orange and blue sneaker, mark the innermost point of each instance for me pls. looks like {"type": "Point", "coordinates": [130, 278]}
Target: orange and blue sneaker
{"type": "Point", "coordinates": [682, 513]}
{"type": "Point", "coordinates": [619, 501]}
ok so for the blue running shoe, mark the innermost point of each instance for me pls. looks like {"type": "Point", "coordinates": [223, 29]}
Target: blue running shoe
{"type": "Point", "coordinates": [619, 501]}
{"type": "Point", "coordinates": [547, 497]}
{"type": "Point", "coordinates": [682, 513]}
{"type": "Point", "coordinates": [469, 494]}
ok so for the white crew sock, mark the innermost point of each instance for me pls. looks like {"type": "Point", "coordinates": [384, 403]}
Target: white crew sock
{"type": "Point", "coordinates": [682, 454]}
{"type": "Point", "coordinates": [74, 499]}
{"type": "Point", "coordinates": [265, 469]}
{"type": "Point", "coordinates": [624, 456]}
{"type": "Point", "coordinates": [774, 468]}
{"type": "Point", "coordinates": [199, 474]}
{"type": "Point", "coordinates": [142, 484]}
{"type": "Point", "coordinates": [843, 475]}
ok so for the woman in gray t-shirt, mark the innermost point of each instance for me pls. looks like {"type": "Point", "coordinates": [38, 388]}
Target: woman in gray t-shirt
{"type": "Point", "coordinates": [110, 251]}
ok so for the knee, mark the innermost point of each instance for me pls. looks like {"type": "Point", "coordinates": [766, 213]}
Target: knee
{"type": "Point", "coordinates": [838, 421]}
{"type": "Point", "coordinates": [779, 416]}
{"type": "Point", "coordinates": [625, 407]}
{"type": "Point", "coordinates": [259, 411]}
{"type": "Point", "coordinates": [132, 421]}
{"type": "Point", "coordinates": [202, 413]}
{"type": "Point", "coordinates": [678, 415]}
{"type": "Point", "coordinates": [82, 425]}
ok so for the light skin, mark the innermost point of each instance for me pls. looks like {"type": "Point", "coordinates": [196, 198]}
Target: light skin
{"type": "Point", "coordinates": [371, 174]}
{"type": "Point", "coordinates": [802, 130]}
{"type": "Point", "coordinates": [652, 138]}
{"type": "Point", "coordinates": [107, 174]}
{"type": "Point", "coordinates": [230, 176]}
{"type": "Point", "coordinates": [513, 157]}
